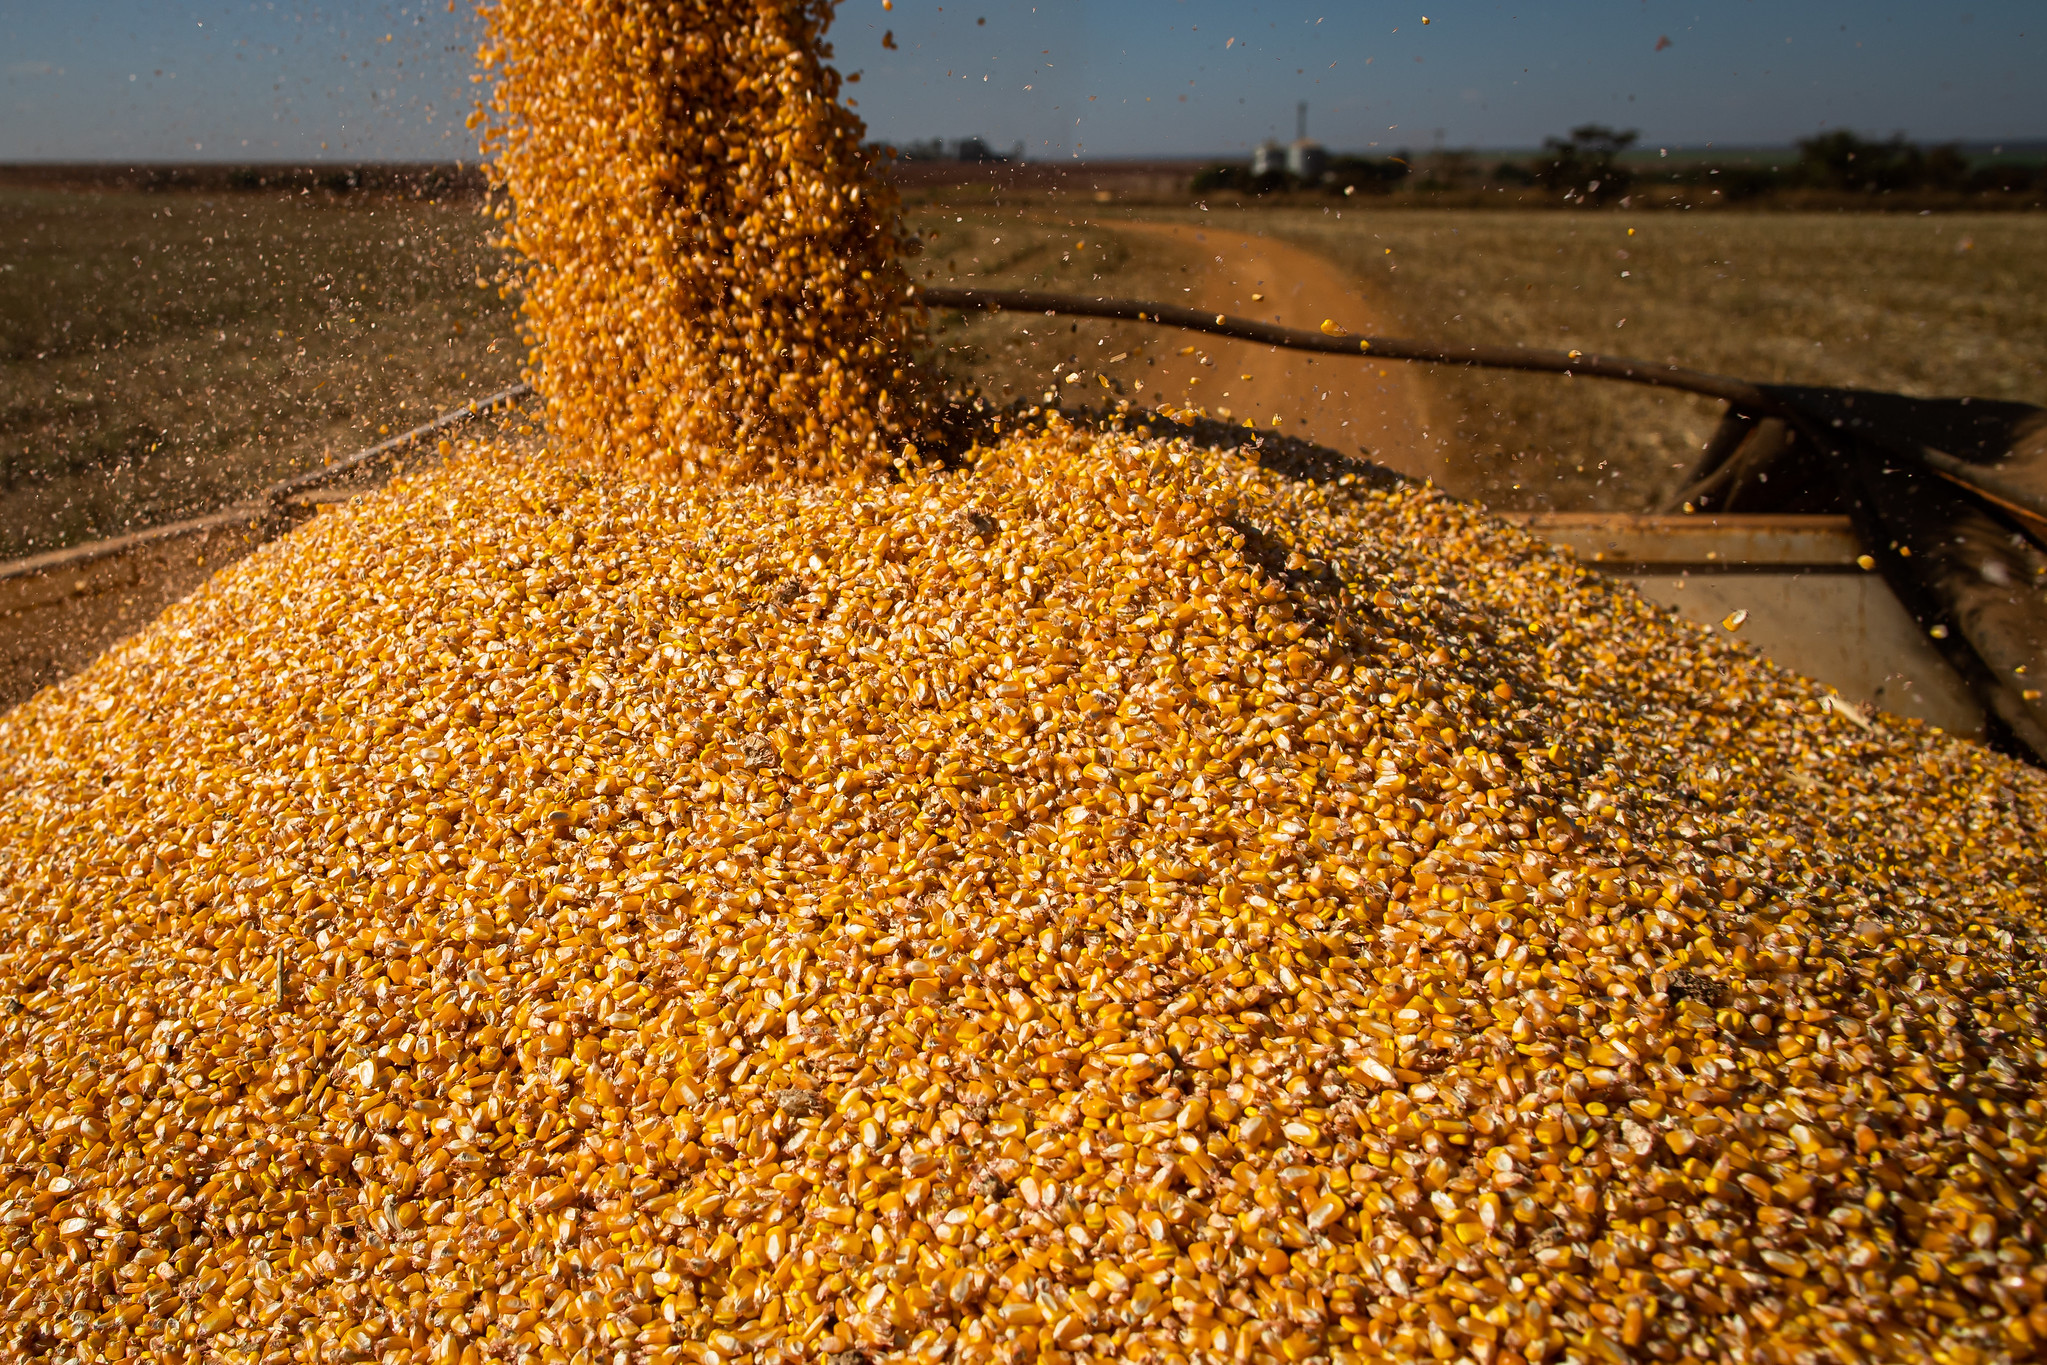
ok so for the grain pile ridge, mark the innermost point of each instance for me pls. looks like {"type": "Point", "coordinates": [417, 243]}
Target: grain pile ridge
{"type": "Point", "coordinates": [1111, 904]}
{"type": "Point", "coordinates": [711, 281]}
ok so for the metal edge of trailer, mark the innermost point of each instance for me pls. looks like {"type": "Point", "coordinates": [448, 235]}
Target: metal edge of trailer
{"type": "Point", "coordinates": [1798, 584]}
{"type": "Point", "coordinates": [1962, 479]}
{"type": "Point", "coordinates": [1810, 606]}
{"type": "Point", "coordinates": [60, 610]}
{"type": "Point", "coordinates": [1798, 589]}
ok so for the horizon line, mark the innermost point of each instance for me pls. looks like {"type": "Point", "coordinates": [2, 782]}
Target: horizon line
{"type": "Point", "coordinates": [2013, 144]}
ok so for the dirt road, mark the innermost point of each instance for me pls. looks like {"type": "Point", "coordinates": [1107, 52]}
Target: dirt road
{"type": "Point", "coordinates": [1347, 405]}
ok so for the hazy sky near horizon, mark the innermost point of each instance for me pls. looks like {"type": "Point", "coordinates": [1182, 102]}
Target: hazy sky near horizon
{"type": "Point", "coordinates": [390, 79]}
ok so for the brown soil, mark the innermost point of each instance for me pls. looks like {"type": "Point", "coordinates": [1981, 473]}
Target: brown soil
{"type": "Point", "coordinates": [1382, 409]}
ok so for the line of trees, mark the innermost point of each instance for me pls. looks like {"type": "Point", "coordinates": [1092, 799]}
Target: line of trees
{"type": "Point", "coordinates": [1596, 164]}
{"type": "Point", "coordinates": [1590, 165]}
{"type": "Point", "coordinates": [975, 149]}
{"type": "Point", "coordinates": [1342, 175]}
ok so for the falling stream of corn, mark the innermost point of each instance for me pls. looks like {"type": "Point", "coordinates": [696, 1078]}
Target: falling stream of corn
{"type": "Point", "coordinates": [700, 886]}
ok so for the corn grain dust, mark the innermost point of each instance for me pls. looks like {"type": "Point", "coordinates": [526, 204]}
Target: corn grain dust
{"type": "Point", "coordinates": [710, 280]}
{"type": "Point", "coordinates": [1113, 904]}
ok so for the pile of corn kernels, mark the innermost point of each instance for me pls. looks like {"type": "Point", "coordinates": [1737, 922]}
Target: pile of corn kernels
{"type": "Point", "coordinates": [1114, 903]}
{"type": "Point", "coordinates": [711, 281]}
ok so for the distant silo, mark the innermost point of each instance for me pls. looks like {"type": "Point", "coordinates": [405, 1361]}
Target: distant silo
{"type": "Point", "coordinates": [1305, 159]}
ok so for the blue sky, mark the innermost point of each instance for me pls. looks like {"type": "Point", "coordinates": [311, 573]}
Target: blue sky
{"type": "Point", "coordinates": [369, 79]}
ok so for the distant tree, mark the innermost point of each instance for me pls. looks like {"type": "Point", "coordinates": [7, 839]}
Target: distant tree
{"type": "Point", "coordinates": [964, 149]}
{"type": "Point", "coordinates": [1363, 175]}
{"type": "Point", "coordinates": [1586, 165]}
{"type": "Point", "coordinates": [1945, 168]}
{"type": "Point", "coordinates": [1235, 177]}
{"type": "Point", "coordinates": [977, 149]}
{"type": "Point", "coordinates": [1366, 174]}
{"type": "Point", "coordinates": [1842, 160]}
{"type": "Point", "coordinates": [1448, 170]}
{"type": "Point", "coordinates": [1737, 182]}
{"type": "Point", "coordinates": [2008, 178]}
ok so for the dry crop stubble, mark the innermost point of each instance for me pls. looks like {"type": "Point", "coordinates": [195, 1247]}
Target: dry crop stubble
{"type": "Point", "coordinates": [165, 354]}
{"type": "Point", "coordinates": [1007, 358]}
{"type": "Point", "coordinates": [1937, 306]}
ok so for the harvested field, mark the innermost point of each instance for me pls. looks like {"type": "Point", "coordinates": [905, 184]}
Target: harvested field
{"type": "Point", "coordinates": [1930, 306]}
{"type": "Point", "coordinates": [82, 411]}
{"type": "Point", "coordinates": [165, 354]}
{"type": "Point", "coordinates": [1380, 412]}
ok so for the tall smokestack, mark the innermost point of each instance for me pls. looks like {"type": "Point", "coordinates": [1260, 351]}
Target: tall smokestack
{"type": "Point", "coordinates": [1301, 121]}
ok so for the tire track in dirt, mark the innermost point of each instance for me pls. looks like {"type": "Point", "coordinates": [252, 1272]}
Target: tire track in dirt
{"type": "Point", "coordinates": [1381, 408]}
